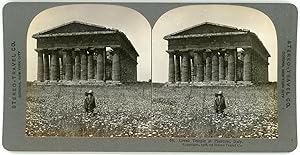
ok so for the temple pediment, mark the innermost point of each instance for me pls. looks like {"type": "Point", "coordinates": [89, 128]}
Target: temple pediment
{"type": "Point", "coordinates": [206, 29]}
{"type": "Point", "coordinates": [74, 27]}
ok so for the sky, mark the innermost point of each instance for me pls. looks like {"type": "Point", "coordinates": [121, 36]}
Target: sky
{"type": "Point", "coordinates": [138, 30]}
{"type": "Point", "coordinates": [133, 24]}
{"type": "Point", "coordinates": [187, 16]}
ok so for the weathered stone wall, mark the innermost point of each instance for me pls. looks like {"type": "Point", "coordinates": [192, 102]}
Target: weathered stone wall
{"type": "Point", "coordinates": [258, 46]}
{"type": "Point", "coordinates": [128, 47]}
{"type": "Point", "coordinates": [128, 68]}
{"type": "Point", "coordinates": [259, 68]}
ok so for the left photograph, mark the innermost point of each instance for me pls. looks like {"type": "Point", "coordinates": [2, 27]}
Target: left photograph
{"type": "Point", "coordinates": [88, 72]}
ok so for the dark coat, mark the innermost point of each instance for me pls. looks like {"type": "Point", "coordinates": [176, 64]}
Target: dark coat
{"type": "Point", "coordinates": [89, 104]}
{"type": "Point", "coordinates": [220, 104]}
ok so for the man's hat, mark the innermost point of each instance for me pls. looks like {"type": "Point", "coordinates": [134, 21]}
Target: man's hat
{"type": "Point", "coordinates": [90, 92]}
{"type": "Point", "coordinates": [220, 93]}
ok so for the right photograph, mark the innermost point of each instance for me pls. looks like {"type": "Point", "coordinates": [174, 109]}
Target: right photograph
{"type": "Point", "coordinates": [214, 73]}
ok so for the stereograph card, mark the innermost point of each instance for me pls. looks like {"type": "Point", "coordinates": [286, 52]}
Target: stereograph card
{"type": "Point", "coordinates": [149, 77]}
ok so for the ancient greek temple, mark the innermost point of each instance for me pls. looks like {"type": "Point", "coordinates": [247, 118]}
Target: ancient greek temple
{"type": "Point", "coordinates": [78, 51]}
{"type": "Point", "coordinates": [214, 53]}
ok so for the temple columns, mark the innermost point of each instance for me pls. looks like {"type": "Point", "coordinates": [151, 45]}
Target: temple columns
{"type": "Point", "coordinates": [46, 67]}
{"type": "Point", "coordinates": [208, 68]}
{"type": "Point", "coordinates": [61, 72]}
{"type": "Point", "coordinates": [64, 65]}
{"type": "Point", "coordinates": [198, 59]}
{"type": "Point", "coordinates": [116, 65]}
{"type": "Point", "coordinates": [54, 66]}
{"type": "Point", "coordinates": [247, 66]}
{"type": "Point", "coordinates": [185, 68]}
{"type": "Point", "coordinates": [91, 65]}
{"type": "Point", "coordinates": [77, 68]}
{"type": "Point", "coordinates": [104, 64]}
{"type": "Point", "coordinates": [100, 65]}
{"type": "Point", "coordinates": [68, 66]}
{"type": "Point", "coordinates": [177, 68]}
{"type": "Point", "coordinates": [189, 69]}
{"type": "Point", "coordinates": [40, 67]}
{"type": "Point", "coordinates": [231, 65]}
{"type": "Point", "coordinates": [208, 65]}
{"type": "Point", "coordinates": [171, 68]}
{"type": "Point", "coordinates": [193, 69]}
{"type": "Point", "coordinates": [222, 66]}
{"type": "Point", "coordinates": [75, 64]}
{"type": "Point", "coordinates": [215, 66]}
{"type": "Point", "coordinates": [83, 65]}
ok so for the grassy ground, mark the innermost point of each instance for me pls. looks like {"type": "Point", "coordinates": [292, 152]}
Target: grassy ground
{"type": "Point", "coordinates": [129, 111]}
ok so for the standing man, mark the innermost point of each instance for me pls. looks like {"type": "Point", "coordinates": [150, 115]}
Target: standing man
{"type": "Point", "coordinates": [219, 105]}
{"type": "Point", "coordinates": [89, 102]}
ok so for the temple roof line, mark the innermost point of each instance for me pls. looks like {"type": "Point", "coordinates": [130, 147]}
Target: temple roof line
{"type": "Point", "coordinates": [208, 23]}
{"type": "Point", "coordinates": [74, 47]}
{"type": "Point", "coordinates": [203, 35]}
{"type": "Point", "coordinates": [74, 22]}
{"type": "Point", "coordinates": [72, 34]}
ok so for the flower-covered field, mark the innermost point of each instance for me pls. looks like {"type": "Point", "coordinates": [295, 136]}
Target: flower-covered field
{"type": "Point", "coordinates": [130, 111]}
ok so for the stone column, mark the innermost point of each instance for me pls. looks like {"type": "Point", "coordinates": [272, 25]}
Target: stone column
{"type": "Point", "coordinates": [222, 65]}
{"type": "Point", "coordinates": [247, 75]}
{"type": "Point", "coordinates": [201, 67]}
{"type": "Point", "coordinates": [235, 66]}
{"type": "Point", "coordinates": [226, 65]}
{"type": "Point", "coordinates": [61, 68]}
{"type": "Point", "coordinates": [177, 68]}
{"type": "Point", "coordinates": [54, 65]}
{"type": "Point", "coordinates": [46, 67]}
{"type": "Point", "coordinates": [231, 65]}
{"type": "Point", "coordinates": [185, 66]}
{"type": "Point", "coordinates": [171, 68]}
{"type": "Point", "coordinates": [104, 64]}
{"type": "Point", "coordinates": [208, 67]}
{"type": "Point", "coordinates": [64, 64]}
{"type": "Point", "coordinates": [95, 67]}
{"type": "Point", "coordinates": [40, 67]}
{"type": "Point", "coordinates": [100, 64]}
{"type": "Point", "coordinates": [73, 64]}
{"type": "Point", "coordinates": [83, 67]}
{"type": "Point", "coordinates": [69, 66]}
{"type": "Point", "coordinates": [193, 69]}
{"type": "Point", "coordinates": [77, 64]}
{"type": "Point", "coordinates": [91, 64]}
{"type": "Point", "coordinates": [215, 66]}
{"type": "Point", "coordinates": [116, 66]}
{"type": "Point", "coordinates": [198, 59]}
{"type": "Point", "coordinates": [58, 68]}
{"type": "Point", "coordinates": [189, 69]}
